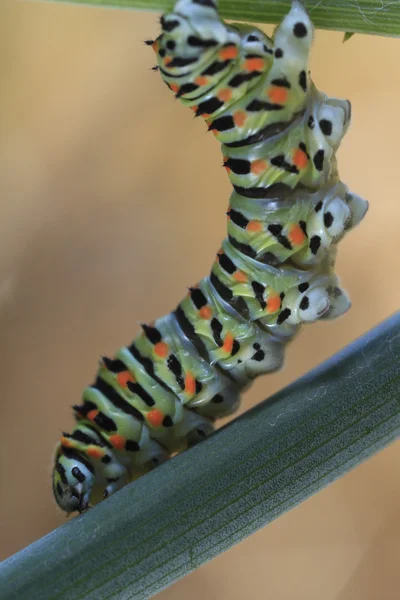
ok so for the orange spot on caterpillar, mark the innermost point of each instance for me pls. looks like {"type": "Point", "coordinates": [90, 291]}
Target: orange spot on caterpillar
{"type": "Point", "coordinates": [240, 276]}
{"type": "Point", "coordinates": [278, 95]}
{"type": "Point", "coordinates": [124, 377]}
{"type": "Point", "coordinates": [225, 95]}
{"type": "Point", "coordinates": [300, 159]}
{"type": "Point", "coordinates": [228, 343]}
{"type": "Point", "coordinates": [92, 414]}
{"type": "Point", "coordinates": [228, 53]}
{"type": "Point", "coordinates": [239, 118]}
{"type": "Point", "coordinates": [118, 441]}
{"type": "Point", "coordinates": [201, 80]}
{"type": "Point", "coordinates": [95, 452]}
{"type": "Point", "coordinates": [155, 417]}
{"type": "Point", "coordinates": [273, 304]}
{"type": "Point", "coordinates": [66, 442]}
{"type": "Point", "coordinates": [205, 312]}
{"type": "Point", "coordinates": [254, 226]}
{"type": "Point", "coordinates": [190, 384]}
{"type": "Point", "coordinates": [254, 64]}
{"type": "Point", "coordinates": [167, 60]}
{"type": "Point", "coordinates": [161, 349]}
{"type": "Point", "coordinates": [194, 108]}
{"type": "Point", "coordinates": [258, 166]}
{"type": "Point", "coordinates": [155, 46]}
{"type": "Point", "coordinates": [296, 235]}
{"type": "Point", "coordinates": [174, 87]}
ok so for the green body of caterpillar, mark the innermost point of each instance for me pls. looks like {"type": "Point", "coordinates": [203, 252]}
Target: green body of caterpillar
{"type": "Point", "coordinates": [273, 272]}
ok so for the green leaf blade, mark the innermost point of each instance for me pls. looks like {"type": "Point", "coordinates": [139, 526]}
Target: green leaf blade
{"type": "Point", "coordinates": [205, 500]}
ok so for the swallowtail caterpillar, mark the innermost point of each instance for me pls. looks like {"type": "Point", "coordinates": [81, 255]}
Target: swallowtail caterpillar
{"type": "Point", "coordinates": [274, 271]}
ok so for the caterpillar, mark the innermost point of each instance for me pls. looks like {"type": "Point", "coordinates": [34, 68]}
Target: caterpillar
{"type": "Point", "coordinates": [273, 272]}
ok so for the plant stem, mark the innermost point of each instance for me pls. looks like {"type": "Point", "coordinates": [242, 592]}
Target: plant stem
{"type": "Point", "coordinates": [205, 500]}
{"type": "Point", "coordinates": [363, 16]}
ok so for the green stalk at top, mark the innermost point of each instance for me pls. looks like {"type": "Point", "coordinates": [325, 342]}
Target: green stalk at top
{"type": "Point", "coordinates": [363, 16]}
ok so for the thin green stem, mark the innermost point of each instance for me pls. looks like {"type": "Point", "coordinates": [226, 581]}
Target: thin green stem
{"type": "Point", "coordinates": [358, 16]}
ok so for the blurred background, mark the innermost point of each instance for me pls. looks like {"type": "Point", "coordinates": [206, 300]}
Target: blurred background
{"type": "Point", "coordinates": [112, 202]}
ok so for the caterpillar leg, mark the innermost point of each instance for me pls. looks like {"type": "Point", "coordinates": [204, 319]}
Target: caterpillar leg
{"type": "Point", "coordinates": [201, 430]}
{"type": "Point", "coordinates": [222, 404]}
{"type": "Point", "coordinates": [114, 480]}
{"type": "Point", "coordinates": [191, 429]}
{"type": "Point", "coordinates": [339, 303]}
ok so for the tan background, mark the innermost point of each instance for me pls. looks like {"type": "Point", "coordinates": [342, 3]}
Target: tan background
{"type": "Point", "coordinates": [112, 201]}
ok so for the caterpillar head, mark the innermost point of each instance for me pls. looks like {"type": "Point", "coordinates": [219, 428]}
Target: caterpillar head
{"type": "Point", "coordinates": [73, 478]}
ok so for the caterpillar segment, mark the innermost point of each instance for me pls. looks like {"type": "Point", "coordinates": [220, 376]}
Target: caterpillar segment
{"type": "Point", "coordinates": [300, 155]}
{"type": "Point", "coordinates": [232, 342]}
{"type": "Point", "coordinates": [302, 227]}
{"type": "Point", "coordinates": [242, 83]}
{"type": "Point", "coordinates": [273, 272]}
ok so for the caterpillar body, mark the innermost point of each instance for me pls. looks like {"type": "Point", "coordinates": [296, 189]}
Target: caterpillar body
{"type": "Point", "coordinates": [275, 268]}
